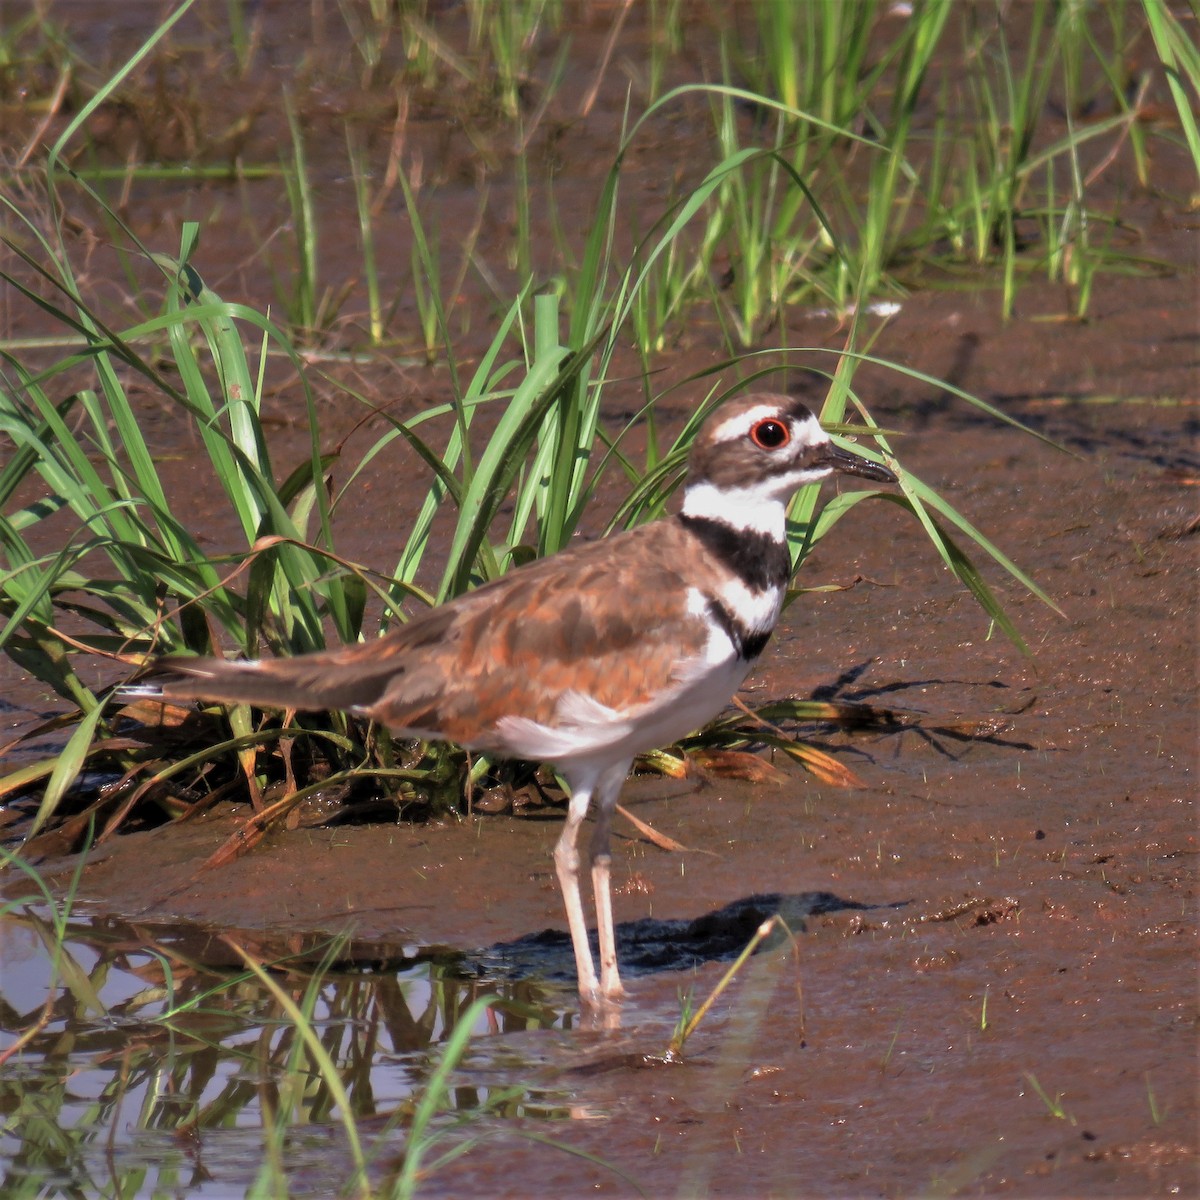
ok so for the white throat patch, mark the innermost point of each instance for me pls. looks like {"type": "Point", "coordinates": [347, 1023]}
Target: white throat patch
{"type": "Point", "coordinates": [750, 508]}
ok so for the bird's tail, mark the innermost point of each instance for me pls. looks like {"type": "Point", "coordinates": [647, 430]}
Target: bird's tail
{"type": "Point", "coordinates": [308, 682]}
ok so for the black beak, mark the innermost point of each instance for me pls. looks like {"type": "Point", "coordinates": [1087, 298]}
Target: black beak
{"type": "Point", "coordinates": [851, 464]}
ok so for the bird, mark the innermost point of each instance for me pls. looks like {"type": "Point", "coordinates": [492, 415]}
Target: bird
{"type": "Point", "coordinates": [587, 657]}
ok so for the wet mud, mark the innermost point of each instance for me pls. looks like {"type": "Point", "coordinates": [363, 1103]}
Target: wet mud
{"type": "Point", "coordinates": [1010, 904]}
{"type": "Point", "coordinates": [990, 987]}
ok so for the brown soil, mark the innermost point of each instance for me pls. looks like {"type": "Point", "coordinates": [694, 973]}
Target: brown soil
{"type": "Point", "coordinates": [1045, 870]}
{"type": "Point", "coordinates": [1010, 898]}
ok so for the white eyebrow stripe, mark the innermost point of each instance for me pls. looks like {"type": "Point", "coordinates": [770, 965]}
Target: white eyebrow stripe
{"type": "Point", "coordinates": [737, 427]}
{"type": "Point", "coordinates": [808, 431]}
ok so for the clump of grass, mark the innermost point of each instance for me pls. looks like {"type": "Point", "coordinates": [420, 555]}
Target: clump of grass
{"type": "Point", "coordinates": [827, 195]}
{"type": "Point", "coordinates": [127, 577]}
{"type": "Point", "coordinates": [875, 166]}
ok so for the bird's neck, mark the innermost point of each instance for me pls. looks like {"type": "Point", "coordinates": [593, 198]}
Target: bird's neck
{"type": "Point", "coordinates": [750, 510]}
{"type": "Point", "coordinates": [745, 531]}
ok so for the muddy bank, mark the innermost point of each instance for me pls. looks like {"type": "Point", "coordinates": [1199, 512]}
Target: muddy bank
{"type": "Point", "coordinates": [1028, 892]}
{"type": "Point", "coordinates": [992, 984]}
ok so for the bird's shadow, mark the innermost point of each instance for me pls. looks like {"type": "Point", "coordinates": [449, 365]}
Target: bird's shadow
{"type": "Point", "coordinates": [650, 945]}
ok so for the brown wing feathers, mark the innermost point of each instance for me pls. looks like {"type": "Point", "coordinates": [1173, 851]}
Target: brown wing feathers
{"type": "Point", "coordinates": [511, 647]}
{"type": "Point", "coordinates": [606, 625]}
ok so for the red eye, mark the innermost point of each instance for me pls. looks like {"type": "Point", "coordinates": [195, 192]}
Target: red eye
{"type": "Point", "coordinates": [770, 434]}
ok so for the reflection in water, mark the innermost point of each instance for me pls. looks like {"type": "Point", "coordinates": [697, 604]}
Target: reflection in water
{"type": "Point", "coordinates": [136, 1057]}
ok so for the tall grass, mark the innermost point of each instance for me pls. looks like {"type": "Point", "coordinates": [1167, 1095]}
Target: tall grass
{"type": "Point", "coordinates": [101, 561]}
{"type": "Point", "coordinates": [837, 174]}
{"type": "Point", "coordinates": [878, 159]}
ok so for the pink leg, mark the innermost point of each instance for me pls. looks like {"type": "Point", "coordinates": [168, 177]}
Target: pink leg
{"type": "Point", "coordinates": [566, 864]}
{"type": "Point", "coordinates": [608, 789]}
{"type": "Point", "coordinates": [610, 976]}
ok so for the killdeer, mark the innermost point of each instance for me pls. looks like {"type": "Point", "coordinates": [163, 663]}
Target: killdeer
{"type": "Point", "coordinates": [591, 656]}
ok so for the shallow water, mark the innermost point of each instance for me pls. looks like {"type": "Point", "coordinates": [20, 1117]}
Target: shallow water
{"type": "Point", "coordinates": [162, 1057]}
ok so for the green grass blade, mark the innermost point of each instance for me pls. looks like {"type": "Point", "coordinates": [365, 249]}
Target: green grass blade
{"type": "Point", "coordinates": [1180, 58]}
{"type": "Point", "coordinates": [67, 767]}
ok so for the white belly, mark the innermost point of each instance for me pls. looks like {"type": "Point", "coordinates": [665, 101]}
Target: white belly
{"type": "Point", "coordinates": [586, 729]}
